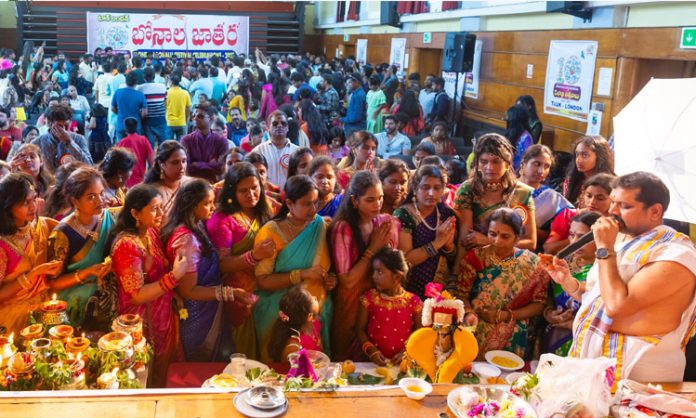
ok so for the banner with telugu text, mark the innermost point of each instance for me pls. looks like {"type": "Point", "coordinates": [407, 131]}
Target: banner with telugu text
{"type": "Point", "coordinates": [198, 36]}
{"type": "Point", "coordinates": [570, 74]}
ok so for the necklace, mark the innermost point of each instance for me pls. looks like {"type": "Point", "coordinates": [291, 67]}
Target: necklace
{"type": "Point", "coordinates": [392, 297]}
{"type": "Point", "coordinates": [422, 220]}
{"type": "Point", "coordinates": [493, 187]}
{"type": "Point", "coordinates": [21, 238]}
{"type": "Point", "coordinates": [82, 230]}
{"type": "Point", "coordinates": [503, 263]}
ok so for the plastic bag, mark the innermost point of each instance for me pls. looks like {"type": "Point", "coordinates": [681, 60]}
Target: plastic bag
{"type": "Point", "coordinates": [636, 400]}
{"type": "Point", "coordinates": [572, 387]}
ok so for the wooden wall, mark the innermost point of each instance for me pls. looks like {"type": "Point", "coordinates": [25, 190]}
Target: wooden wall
{"type": "Point", "coordinates": [504, 60]}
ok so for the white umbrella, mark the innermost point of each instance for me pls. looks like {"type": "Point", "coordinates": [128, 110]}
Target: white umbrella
{"type": "Point", "coordinates": [656, 132]}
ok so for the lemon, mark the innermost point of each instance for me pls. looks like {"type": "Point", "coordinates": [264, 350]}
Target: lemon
{"type": "Point", "coordinates": [348, 367]}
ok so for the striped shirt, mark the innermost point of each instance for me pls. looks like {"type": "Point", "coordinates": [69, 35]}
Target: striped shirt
{"type": "Point", "coordinates": [277, 159]}
{"type": "Point", "coordinates": [155, 94]}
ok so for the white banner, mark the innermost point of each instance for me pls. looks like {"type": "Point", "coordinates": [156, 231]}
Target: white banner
{"type": "Point", "coordinates": [361, 51]}
{"type": "Point", "coordinates": [569, 77]}
{"type": "Point", "coordinates": [199, 36]}
{"type": "Point", "coordinates": [471, 79]}
{"type": "Point", "coordinates": [397, 55]}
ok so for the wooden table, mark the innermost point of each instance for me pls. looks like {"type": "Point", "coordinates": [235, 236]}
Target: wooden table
{"type": "Point", "coordinates": [380, 403]}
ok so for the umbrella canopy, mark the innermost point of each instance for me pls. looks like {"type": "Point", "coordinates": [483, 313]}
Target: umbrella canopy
{"type": "Point", "coordinates": [656, 132]}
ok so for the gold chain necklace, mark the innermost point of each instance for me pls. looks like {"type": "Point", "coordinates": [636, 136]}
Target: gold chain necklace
{"type": "Point", "coordinates": [21, 238]}
{"type": "Point", "coordinates": [503, 263]}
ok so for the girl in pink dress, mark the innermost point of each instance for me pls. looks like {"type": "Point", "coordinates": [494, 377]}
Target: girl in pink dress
{"type": "Point", "coordinates": [388, 314]}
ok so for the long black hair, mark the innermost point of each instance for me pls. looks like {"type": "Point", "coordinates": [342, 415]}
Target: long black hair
{"type": "Point", "coordinates": [409, 104]}
{"type": "Point", "coordinates": [295, 305]}
{"type": "Point", "coordinates": [348, 212]}
{"type": "Point", "coordinates": [55, 199]}
{"type": "Point", "coordinates": [604, 163]}
{"type": "Point", "coordinates": [14, 189]}
{"type": "Point", "coordinates": [517, 123]}
{"type": "Point", "coordinates": [186, 200]}
{"type": "Point", "coordinates": [165, 150]}
{"type": "Point", "coordinates": [295, 189]}
{"type": "Point", "coordinates": [137, 198]}
{"type": "Point", "coordinates": [227, 199]}
{"type": "Point", "coordinates": [117, 161]}
{"type": "Point", "coordinates": [318, 134]}
{"type": "Point", "coordinates": [295, 157]}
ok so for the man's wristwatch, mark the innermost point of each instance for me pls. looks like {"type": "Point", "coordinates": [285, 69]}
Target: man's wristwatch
{"type": "Point", "coordinates": [604, 253]}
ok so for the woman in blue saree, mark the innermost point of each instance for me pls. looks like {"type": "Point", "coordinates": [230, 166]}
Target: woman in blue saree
{"type": "Point", "coordinates": [325, 174]}
{"type": "Point", "coordinates": [204, 332]}
{"type": "Point", "coordinates": [78, 242]}
{"type": "Point", "coordinates": [302, 256]}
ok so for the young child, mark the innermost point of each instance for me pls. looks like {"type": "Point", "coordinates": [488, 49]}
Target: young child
{"type": "Point", "coordinates": [254, 138]}
{"type": "Point", "coordinates": [388, 314]}
{"type": "Point", "coordinates": [298, 313]}
{"type": "Point", "coordinates": [337, 147]}
{"type": "Point", "coordinates": [140, 146]}
{"type": "Point", "coordinates": [99, 139]}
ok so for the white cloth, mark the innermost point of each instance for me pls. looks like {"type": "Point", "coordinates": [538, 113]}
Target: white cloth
{"type": "Point", "coordinates": [277, 159]}
{"type": "Point", "coordinates": [102, 87]}
{"type": "Point", "coordinates": [642, 358]}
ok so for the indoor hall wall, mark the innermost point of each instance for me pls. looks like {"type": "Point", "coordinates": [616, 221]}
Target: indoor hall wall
{"type": "Point", "coordinates": [504, 60]}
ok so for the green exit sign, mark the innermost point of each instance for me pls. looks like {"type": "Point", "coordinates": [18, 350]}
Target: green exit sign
{"type": "Point", "coordinates": [427, 37]}
{"type": "Point", "coordinates": [688, 38]}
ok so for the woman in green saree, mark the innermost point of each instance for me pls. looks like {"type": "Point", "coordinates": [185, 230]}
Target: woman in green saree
{"type": "Point", "coordinates": [241, 210]}
{"type": "Point", "coordinates": [301, 256]}
{"type": "Point", "coordinates": [78, 243]}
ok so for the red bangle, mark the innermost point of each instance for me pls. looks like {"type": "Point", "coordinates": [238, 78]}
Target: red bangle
{"type": "Point", "coordinates": [167, 282]}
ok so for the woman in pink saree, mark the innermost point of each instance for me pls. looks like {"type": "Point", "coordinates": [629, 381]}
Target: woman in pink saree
{"type": "Point", "coordinates": [242, 209]}
{"type": "Point", "coordinates": [357, 232]}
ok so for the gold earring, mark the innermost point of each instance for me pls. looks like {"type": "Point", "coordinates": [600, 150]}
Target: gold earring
{"type": "Point", "coordinates": [161, 174]}
{"type": "Point", "coordinates": [137, 223]}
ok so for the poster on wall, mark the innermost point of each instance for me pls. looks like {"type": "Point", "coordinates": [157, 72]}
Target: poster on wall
{"type": "Point", "coordinates": [198, 36]}
{"type": "Point", "coordinates": [471, 80]}
{"type": "Point", "coordinates": [569, 78]}
{"type": "Point", "coordinates": [397, 56]}
{"type": "Point", "coordinates": [361, 51]}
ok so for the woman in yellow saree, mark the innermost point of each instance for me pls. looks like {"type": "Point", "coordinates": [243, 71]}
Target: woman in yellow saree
{"type": "Point", "coordinates": [23, 248]}
{"type": "Point", "coordinates": [301, 256]}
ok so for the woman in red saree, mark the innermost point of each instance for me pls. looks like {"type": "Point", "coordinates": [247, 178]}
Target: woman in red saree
{"type": "Point", "coordinates": [23, 249]}
{"type": "Point", "coordinates": [145, 280]}
{"type": "Point", "coordinates": [357, 232]}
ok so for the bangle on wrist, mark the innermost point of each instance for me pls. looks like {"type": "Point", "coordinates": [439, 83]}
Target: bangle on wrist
{"type": "Point", "coordinates": [78, 279]}
{"type": "Point", "coordinates": [366, 347]}
{"type": "Point", "coordinates": [250, 259]}
{"type": "Point", "coordinates": [295, 277]}
{"type": "Point", "coordinates": [512, 316]}
{"type": "Point", "coordinates": [368, 253]}
{"type": "Point", "coordinates": [577, 289]}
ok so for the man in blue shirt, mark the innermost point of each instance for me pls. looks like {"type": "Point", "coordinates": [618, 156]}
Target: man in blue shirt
{"type": "Point", "coordinates": [298, 81]}
{"type": "Point", "coordinates": [357, 107]}
{"type": "Point", "coordinates": [204, 85]}
{"type": "Point", "coordinates": [391, 142]}
{"type": "Point", "coordinates": [219, 87]}
{"type": "Point", "coordinates": [129, 102]}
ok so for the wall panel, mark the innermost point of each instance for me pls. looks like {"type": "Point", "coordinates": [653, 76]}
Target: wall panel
{"type": "Point", "coordinates": [506, 54]}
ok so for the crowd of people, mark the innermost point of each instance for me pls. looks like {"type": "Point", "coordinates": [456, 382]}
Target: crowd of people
{"type": "Point", "coordinates": [260, 204]}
